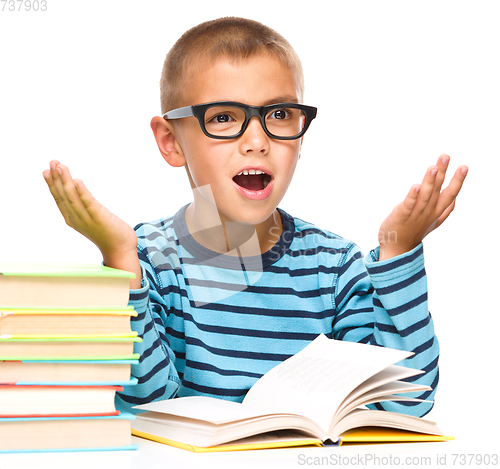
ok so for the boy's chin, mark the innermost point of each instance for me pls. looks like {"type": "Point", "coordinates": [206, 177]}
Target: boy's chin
{"type": "Point", "coordinates": [250, 216]}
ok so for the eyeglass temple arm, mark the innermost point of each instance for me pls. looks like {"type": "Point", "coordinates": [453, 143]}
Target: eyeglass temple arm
{"type": "Point", "coordinates": [179, 113]}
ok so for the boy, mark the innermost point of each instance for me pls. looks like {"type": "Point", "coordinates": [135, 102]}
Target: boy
{"type": "Point", "coordinates": [231, 285]}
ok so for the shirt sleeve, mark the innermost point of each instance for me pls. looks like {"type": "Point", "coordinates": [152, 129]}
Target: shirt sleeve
{"type": "Point", "coordinates": [156, 373]}
{"type": "Point", "coordinates": [385, 303]}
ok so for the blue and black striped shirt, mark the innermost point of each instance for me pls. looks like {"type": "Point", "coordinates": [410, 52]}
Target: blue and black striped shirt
{"type": "Point", "coordinates": [212, 324]}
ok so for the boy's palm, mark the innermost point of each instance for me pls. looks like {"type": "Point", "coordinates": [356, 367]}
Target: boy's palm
{"type": "Point", "coordinates": [86, 215]}
{"type": "Point", "coordinates": [424, 209]}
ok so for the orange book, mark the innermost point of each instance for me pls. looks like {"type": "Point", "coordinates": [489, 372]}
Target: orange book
{"type": "Point", "coordinates": [76, 372]}
{"type": "Point", "coordinates": [52, 401]}
{"type": "Point", "coordinates": [34, 322]}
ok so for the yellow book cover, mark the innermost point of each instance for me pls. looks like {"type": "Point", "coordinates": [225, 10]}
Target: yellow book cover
{"type": "Point", "coordinates": [272, 440]}
{"type": "Point", "coordinates": [291, 439]}
{"type": "Point", "coordinates": [387, 435]}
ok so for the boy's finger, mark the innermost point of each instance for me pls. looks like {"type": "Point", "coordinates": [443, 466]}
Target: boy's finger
{"type": "Point", "coordinates": [73, 202]}
{"type": "Point", "coordinates": [442, 165]}
{"type": "Point", "coordinates": [52, 188]}
{"type": "Point", "coordinates": [68, 197]}
{"type": "Point", "coordinates": [50, 183]}
{"type": "Point", "coordinates": [426, 189]}
{"type": "Point", "coordinates": [411, 199]}
{"type": "Point", "coordinates": [443, 217]}
{"type": "Point", "coordinates": [446, 213]}
{"type": "Point", "coordinates": [56, 180]}
{"type": "Point", "coordinates": [88, 201]}
{"type": "Point", "coordinates": [450, 193]}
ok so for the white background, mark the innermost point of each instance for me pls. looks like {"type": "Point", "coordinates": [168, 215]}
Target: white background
{"type": "Point", "coordinates": [396, 83]}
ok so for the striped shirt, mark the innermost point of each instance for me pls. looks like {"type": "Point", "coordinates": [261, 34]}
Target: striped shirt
{"type": "Point", "coordinates": [212, 324]}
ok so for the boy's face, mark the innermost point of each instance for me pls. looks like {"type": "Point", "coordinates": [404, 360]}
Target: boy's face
{"type": "Point", "coordinates": [257, 81]}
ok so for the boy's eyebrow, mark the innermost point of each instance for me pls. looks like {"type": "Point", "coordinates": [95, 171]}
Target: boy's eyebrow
{"type": "Point", "coordinates": [283, 99]}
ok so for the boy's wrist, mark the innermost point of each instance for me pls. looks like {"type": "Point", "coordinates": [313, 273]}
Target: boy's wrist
{"type": "Point", "coordinates": [388, 251]}
{"type": "Point", "coordinates": [128, 261]}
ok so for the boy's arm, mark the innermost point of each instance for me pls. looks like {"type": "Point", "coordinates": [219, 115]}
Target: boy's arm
{"type": "Point", "coordinates": [156, 373]}
{"type": "Point", "coordinates": [115, 239]}
{"type": "Point", "coordinates": [117, 242]}
{"type": "Point", "coordinates": [385, 303]}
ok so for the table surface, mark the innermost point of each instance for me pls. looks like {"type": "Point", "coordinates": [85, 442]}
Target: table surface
{"type": "Point", "coordinates": [155, 455]}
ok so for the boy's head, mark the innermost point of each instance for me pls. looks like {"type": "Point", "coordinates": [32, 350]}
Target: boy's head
{"type": "Point", "coordinates": [240, 166]}
{"type": "Point", "coordinates": [230, 38]}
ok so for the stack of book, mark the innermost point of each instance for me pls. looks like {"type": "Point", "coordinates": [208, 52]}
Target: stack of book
{"type": "Point", "coordinates": [66, 348]}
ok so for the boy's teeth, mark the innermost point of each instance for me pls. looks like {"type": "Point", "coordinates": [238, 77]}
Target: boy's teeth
{"type": "Point", "coordinates": [258, 181]}
{"type": "Point", "coordinates": [246, 172]}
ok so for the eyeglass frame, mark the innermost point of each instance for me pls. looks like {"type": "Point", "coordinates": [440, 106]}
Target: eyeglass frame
{"type": "Point", "coordinates": [199, 110]}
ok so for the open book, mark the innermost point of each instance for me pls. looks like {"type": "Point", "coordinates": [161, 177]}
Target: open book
{"type": "Point", "coordinates": [317, 393]}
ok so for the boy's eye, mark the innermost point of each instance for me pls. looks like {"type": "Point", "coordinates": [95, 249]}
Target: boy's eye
{"type": "Point", "coordinates": [280, 114]}
{"type": "Point", "coordinates": [222, 118]}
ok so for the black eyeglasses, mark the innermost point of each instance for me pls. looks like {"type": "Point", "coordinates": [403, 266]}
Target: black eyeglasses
{"type": "Point", "coordinates": [228, 119]}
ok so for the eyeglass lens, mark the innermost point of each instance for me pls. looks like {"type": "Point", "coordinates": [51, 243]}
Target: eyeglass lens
{"type": "Point", "coordinates": [227, 121]}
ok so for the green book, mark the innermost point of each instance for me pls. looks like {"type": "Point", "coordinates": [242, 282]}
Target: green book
{"type": "Point", "coordinates": [69, 348]}
{"type": "Point", "coordinates": [62, 270]}
{"type": "Point", "coordinates": [63, 286]}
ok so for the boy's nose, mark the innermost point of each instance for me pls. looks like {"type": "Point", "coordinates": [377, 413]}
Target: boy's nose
{"type": "Point", "coordinates": [254, 138]}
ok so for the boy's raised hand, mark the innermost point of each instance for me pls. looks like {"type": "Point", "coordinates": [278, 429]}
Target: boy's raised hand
{"type": "Point", "coordinates": [115, 239]}
{"type": "Point", "coordinates": [424, 209]}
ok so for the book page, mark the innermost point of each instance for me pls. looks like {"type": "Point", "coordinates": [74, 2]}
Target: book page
{"type": "Point", "coordinates": [209, 409]}
{"type": "Point", "coordinates": [391, 374]}
{"type": "Point", "coordinates": [315, 381]}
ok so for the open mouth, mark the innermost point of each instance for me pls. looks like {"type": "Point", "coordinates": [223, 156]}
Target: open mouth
{"type": "Point", "coordinates": [252, 179]}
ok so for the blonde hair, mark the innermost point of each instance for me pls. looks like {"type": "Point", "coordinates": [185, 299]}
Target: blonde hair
{"type": "Point", "coordinates": [232, 38]}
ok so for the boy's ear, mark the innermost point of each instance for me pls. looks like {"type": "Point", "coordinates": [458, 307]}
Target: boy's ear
{"type": "Point", "coordinates": [167, 142]}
